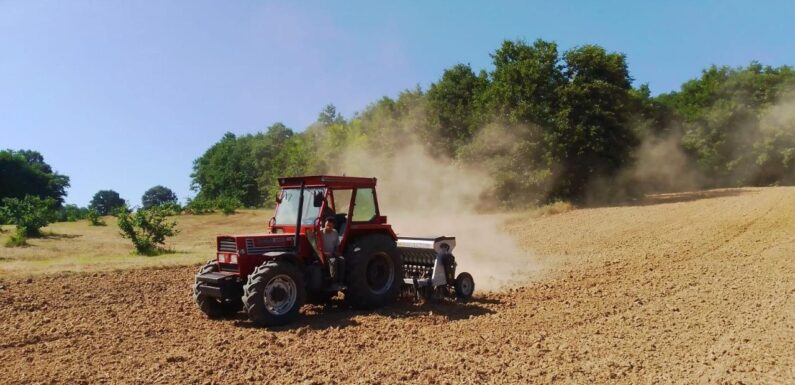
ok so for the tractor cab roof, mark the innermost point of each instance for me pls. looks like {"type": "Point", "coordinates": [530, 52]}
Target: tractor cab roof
{"type": "Point", "coordinates": [327, 181]}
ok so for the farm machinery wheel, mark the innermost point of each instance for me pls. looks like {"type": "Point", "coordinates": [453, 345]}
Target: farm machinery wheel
{"type": "Point", "coordinates": [274, 293]}
{"type": "Point", "coordinates": [464, 286]}
{"type": "Point", "coordinates": [213, 307]}
{"type": "Point", "coordinates": [375, 272]}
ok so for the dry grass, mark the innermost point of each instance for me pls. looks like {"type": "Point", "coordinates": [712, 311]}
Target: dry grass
{"type": "Point", "coordinates": [76, 246]}
{"type": "Point", "coordinates": [558, 207]}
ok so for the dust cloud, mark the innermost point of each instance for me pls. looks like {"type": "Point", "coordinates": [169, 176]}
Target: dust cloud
{"type": "Point", "coordinates": [424, 196]}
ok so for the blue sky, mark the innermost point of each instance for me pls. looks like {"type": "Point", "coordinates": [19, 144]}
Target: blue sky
{"type": "Point", "coordinates": [125, 95]}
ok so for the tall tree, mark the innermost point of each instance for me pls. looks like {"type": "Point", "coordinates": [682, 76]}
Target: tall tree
{"type": "Point", "coordinates": [591, 136]}
{"type": "Point", "coordinates": [106, 202]}
{"type": "Point", "coordinates": [228, 169]}
{"type": "Point", "coordinates": [158, 195]}
{"type": "Point", "coordinates": [452, 104]}
{"type": "Point", "coordinates": [26, 173]}
{"type": "Point", "coordinates": [525, 81]}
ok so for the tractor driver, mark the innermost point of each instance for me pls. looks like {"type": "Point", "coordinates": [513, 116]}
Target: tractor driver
{"type": "Point", "coordinates": [331, 242]}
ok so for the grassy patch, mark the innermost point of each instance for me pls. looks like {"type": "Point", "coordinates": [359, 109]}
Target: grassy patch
{"type": "Point", "coordinates": [78, 247]}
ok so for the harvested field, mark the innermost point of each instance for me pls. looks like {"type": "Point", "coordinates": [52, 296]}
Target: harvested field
{"type": "Point", "coordinates": [681, 288]}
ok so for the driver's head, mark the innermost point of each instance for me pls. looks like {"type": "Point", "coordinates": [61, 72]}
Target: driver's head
{"type": "Point", "coordinates": [329, 223]}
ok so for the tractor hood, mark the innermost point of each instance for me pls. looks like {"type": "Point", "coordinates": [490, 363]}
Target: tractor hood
{"type": "Point", "coordinates": [254, 244]}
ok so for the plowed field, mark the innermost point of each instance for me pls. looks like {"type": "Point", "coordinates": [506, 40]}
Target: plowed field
{"type": "Point", "coordinates": [681, 288]}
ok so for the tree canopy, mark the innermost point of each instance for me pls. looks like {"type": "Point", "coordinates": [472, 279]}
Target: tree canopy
{"type": "Point", "coordinates": [106, 202]}
{"type": "Point", "coordinates": [25, 173]}
{"type": "Point", "coordinates": [157, 196]}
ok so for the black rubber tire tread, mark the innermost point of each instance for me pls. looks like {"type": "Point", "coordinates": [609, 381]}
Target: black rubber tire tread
{"type": "Point", "coordinates": [253, 290]}
{"type": "Point", "coordinates": [358, 293]}
{"type": "Point", "coordinates": [459, 293]}
{"type": "Point", "coordinates": [212, 307]}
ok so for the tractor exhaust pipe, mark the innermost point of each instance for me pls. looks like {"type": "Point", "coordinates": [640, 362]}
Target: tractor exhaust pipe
{"type": "Point", "coordinates": [300, 214]}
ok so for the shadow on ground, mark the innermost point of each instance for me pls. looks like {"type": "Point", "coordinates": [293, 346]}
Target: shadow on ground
{"type": "Point", "coordinates": [678, 197]}
{"type": "Point", "coordinates": [338, 315]}
{"type": "Point", "coordinates": [59, 236]}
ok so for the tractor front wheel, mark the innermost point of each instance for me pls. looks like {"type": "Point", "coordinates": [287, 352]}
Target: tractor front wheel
{"type": "Point", "coordinates": [274, 293]}
{"type": "Point", "coordinates": [213, 307]}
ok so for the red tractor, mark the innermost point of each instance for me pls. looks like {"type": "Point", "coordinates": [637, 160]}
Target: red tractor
{"type": "Point", "coordinates": [271, 276]}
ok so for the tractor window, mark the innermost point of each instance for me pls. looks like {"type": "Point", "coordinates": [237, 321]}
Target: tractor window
{"type": "Point", "coordinates": [287, 211]}
{"type": "Point", "coordinates": [342, 201]}
{"type": "Point", "coordinates": [364, 206]}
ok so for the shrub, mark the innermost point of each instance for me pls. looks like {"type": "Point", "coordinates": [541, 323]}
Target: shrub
{"type": "Point", "coordinates": [199, 206]}
{"type": "Point", "coordinates": [29, 214]}
{"type": "Point", "coordinates": [16, 239]}
{"type": "Point", "coordinates": [147, 229]}
{"type": "Point", "coordinates": [228, 205]}
{"type": "Point", "coordinates": [72, 213]}
{"type": "Point", "coordinates": [171, 208]}
{"type": "Point", "coordinates": [94, 219]}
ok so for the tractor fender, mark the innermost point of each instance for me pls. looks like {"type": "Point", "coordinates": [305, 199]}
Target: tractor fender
{"type": "Point", "coordinates": [286, 256]}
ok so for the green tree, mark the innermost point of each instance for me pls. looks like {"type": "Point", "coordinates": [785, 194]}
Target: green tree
{"type": "Point", "coordinates": [106, 202]}
{"type": "Point", "coordinates": [452, 104]}
{"type": "Point", "coordinates": [71, 213]}
{"type": "Point", "coordinates": [147, 229]}
{"type": "Point", "coordinates": [525, 83]}
{"type": "Point", "coordinates": [25, 173]}
{"type": "Point", "coordinates": [29, 214]}
{"type": "Point", "coordinates": [330, 116]}
{"type": "Point", "coordinates": [591, 136]}
{"type": "Point", "coordinates": [158, 195]}
{"type": "Point", "coordinates": [721, 113]}
{"type": "Point", "coordinates": [229, 169]}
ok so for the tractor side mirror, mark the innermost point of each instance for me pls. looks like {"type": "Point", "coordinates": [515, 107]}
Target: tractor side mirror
{"type": "Point", "coordinates": [318, 199]}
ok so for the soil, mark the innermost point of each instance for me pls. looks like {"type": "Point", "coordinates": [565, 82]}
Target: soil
{"type": "Point", "coordinates": [679, 288]}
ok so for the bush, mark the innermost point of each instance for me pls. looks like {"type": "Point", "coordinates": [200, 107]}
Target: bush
{"type": "Point", "coordinates": [16, 239]}
{"type": "Point", "coordinates": [228, 205]}
{"type": "Point", "coordinates": [171, 208]}
{"type": "Point", "coordinates": [200, 206]}
{"type": "Point", "coordinates": [147, 229]}
{"type": "Point", "coordinates": [72, 213]}
{"type": "Point", "coordinates": [29, 214]}
{"type": "Point", "coordinates": [94, 219]}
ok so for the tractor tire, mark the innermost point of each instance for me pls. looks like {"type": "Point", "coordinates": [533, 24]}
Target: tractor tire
{"type": "Point", "coordinates": [210, 306]}
{"type": "Point", "coordinates": [374, 272]}
{"type": "Point", "coordinates": [464, 286]}
{"type": "Point", "coordinates": [274, 293]}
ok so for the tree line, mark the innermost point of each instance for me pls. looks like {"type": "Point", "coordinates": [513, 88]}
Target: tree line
{"type": "Point", "coordinates": [546, 125]}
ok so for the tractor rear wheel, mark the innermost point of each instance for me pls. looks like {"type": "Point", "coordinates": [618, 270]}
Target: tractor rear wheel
{"type": "Point", "coordinates": [213, 307]}
{"type": "Point", "coordinates": [274, 293]}
{"type": "Point", "coordinates": [375, 272]}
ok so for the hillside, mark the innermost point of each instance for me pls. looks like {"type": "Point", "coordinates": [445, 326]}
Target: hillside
{"type": "Point", "coordinates": [680, 288]}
